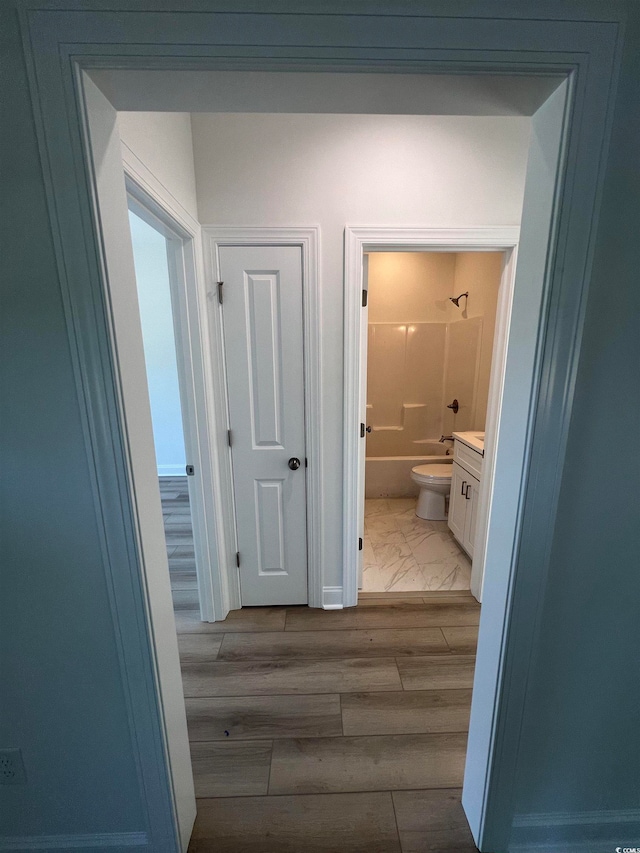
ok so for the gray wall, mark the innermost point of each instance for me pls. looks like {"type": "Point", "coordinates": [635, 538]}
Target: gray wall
{"type": "Point", "coordinates": [580, 742]}
{"type": "Point", "coordinates": [61, 698]}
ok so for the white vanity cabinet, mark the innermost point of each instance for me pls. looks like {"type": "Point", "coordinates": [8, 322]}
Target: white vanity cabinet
{"type": "Point", "coordinates": [463, 500]}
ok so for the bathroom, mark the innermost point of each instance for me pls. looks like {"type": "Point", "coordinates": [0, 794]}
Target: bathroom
{"type": "Point", "coordinates": [431, 323]}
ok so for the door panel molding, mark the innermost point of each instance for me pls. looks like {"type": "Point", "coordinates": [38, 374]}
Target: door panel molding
{"type": "Point", "coordinates": [266, 365]}
{"type": "Point", "coordinates": [308, 239]}
{"type": "Point", "coordinates": [270, 510]}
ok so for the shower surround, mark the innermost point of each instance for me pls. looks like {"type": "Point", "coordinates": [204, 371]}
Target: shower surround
{"type": "Point", "coordinates": [424, 352]}
{"type": "Point", "coordinates": [415, 371]}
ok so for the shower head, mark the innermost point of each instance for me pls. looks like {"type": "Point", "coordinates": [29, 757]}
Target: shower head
{"type": "Point", "coordinates": [456, 299]}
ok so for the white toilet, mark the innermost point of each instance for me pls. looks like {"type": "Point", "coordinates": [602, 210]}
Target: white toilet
{"type": "Point", "coordinates": [435, 485]}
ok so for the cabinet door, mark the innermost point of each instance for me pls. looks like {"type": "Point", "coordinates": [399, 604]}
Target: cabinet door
{"type": "Point", "coordinates": [471, 495]}
{"type": "Point", "coordinates": [457, 502]}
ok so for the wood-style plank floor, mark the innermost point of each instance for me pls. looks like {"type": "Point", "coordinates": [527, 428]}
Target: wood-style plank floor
{"type": "Point", "coordinates": [325, 731]}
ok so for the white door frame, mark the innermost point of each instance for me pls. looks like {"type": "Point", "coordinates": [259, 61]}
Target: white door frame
{"type": "Point", "coordinates": [308, 239]}
{"type": "Point", "coordinates": [494, 405]}
{"type": "Point", "coordinates": [391, 239]}
{"type": "Point", "coordinates": [216, 592]}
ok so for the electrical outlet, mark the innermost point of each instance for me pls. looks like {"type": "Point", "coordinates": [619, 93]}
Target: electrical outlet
{"type": "Point", "coordinates": [11, 767]}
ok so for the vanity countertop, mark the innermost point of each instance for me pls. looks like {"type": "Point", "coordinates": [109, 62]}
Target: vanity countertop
{"type": "Point", "coordinates": [474, 440]}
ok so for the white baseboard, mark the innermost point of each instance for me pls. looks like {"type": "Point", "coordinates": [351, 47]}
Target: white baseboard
{"type": "Point", "coordinates": [562, 847]}
{"type": "Point", "coordinates": [332, 598]}
{"type": "Point", "coordinates": [580, 819]}
{"type": "Point", "coordinates": [588, 832]}
{"type": "Point", "coordinates": [171, 471]}
{"type": "Point", "coordinates": [614, 845]}
{"type": "Point", "coordinates": [124, 841]}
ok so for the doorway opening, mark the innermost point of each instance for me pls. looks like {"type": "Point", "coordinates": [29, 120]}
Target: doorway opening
{"type": "Point", "coordinates": [431, 318]}
{"type": "Point", "coordinates": [201, 646]}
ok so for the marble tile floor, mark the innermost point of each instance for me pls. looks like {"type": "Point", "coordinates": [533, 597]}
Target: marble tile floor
{"type": "Point", "coordinates": [404, 553]}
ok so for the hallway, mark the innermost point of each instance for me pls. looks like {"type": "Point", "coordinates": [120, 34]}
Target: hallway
{"type": "Point", "coordinates": [326, 730]}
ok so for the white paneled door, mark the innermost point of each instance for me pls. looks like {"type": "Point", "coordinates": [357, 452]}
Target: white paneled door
{"type": "Point", "coordinates": [262, 316]}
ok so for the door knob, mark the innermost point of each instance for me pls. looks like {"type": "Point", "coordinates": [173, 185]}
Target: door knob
{"type": "Point", "coordinates": [294, 463]}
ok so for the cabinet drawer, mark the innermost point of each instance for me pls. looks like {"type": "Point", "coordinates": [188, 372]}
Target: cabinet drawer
{"type": "Point", "coordinates": [468, 458]}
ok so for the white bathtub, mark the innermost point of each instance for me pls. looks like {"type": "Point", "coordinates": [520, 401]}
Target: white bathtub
{"type": "Point", "coordinates": [389, 476]}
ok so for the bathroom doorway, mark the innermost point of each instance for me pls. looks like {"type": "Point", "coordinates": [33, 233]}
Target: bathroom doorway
{"type": "Point", "coordinates": [431, 320]}
{"type": "Point", "coordinates": [438, 298]}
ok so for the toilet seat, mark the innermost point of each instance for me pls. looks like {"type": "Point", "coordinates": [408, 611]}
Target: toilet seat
{"type": "Point", "coordinates": [432, 473]}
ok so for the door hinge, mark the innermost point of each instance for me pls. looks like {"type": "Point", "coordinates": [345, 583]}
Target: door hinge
{"type": "Point", "coordinates": [365, 296]}
{"type": "Point", "coordinates": [306, 462]}
{"type": "Point", "coordinates": [190, 469]}
{"type": "Point", "coordinates": [229, 437]}
{"type": "Point", "coordinates": [220, 283]}
{"type": "Point", "coordinates": [362, 428]}
{"type": "Point", "coordinates": [360, 544]}
{"type": "Point", "coordinates": [238, 559]}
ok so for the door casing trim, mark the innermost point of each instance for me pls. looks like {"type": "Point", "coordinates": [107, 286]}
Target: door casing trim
{"type": "Point", "coordinates": [357, 239]}
{"type": "Point", "coordinates": [186, 285]}
{"type": "Point", "coordinates": [308, 239]}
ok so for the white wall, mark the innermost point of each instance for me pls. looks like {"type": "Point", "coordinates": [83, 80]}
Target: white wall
{"type": "Point", "coordinates": [162, 141]}
{"type": "Point", "coordinates": [333, 170]}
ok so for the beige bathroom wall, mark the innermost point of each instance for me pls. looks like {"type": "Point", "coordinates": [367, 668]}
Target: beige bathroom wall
{"type": "Point", "coordinates": [411, 287]}
{"type": "Point", "coordinates": [479, 273]}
